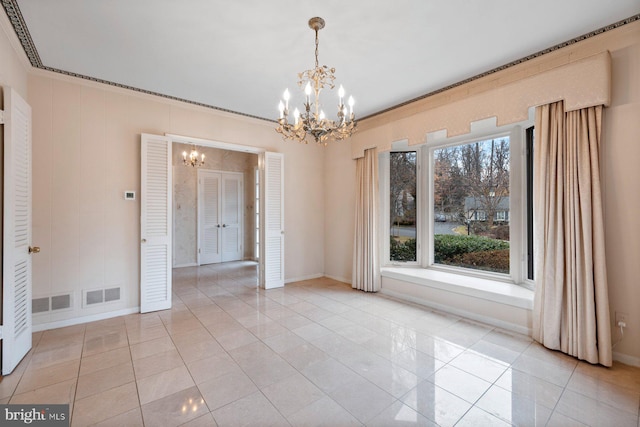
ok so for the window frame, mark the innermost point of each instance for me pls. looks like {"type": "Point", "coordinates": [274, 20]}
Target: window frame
{"type": "Point", "coordinates": [517, 215]}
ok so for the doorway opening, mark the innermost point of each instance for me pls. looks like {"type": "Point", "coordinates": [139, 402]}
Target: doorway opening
{"type": "Point", "coordinates": [214, 205]}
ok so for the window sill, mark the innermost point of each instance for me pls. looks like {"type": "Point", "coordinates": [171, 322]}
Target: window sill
{"type": "Point", "coordinates": [492, 290]}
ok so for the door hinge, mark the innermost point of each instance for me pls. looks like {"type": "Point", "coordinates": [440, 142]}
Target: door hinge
{"type": "Point", "coordinates": [1, 117]}
{"type": "Point", "coordinates": [1, 327]}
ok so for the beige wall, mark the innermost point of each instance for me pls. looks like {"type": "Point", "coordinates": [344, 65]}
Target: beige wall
{"type": "Point", "coordinates": [620, 154]}
{"type": "Point", "coordinates": [340, 193]}
{"type": "Point", "coordinates": [185, 198]}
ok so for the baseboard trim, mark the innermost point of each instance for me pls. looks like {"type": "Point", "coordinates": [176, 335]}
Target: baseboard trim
{"type": "Point", "coordinates": [339, 279]}
{"type": "Point", "coordinates": [84, 319]}
{"type": "Point", "coordinates": [301, 278]}
{"type": "Point", "coordinates": [626, 359]}
{"type": "Point", "coordinates": [459, 312]}
{"type": "Point", "coordinates": [191, 264]}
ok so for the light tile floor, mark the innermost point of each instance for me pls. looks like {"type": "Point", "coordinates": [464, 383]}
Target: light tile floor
{"type": "Point", "coordinates": [312, 353]}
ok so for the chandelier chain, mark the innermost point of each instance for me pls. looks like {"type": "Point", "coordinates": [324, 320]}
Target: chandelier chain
{"type": "Point", "coordinates": [317, 43]}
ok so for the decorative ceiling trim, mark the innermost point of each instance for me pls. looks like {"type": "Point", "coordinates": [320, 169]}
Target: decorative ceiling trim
{"type": "Point", "coordinates": [149, 92]}
{"type": "Point", "coordinates": [511, 64]}
{"type": "Point", "coordinates": [20, 27]}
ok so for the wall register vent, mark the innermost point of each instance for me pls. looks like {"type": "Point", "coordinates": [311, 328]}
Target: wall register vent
{"type": "Point", "coordinates": [95, 297]}
{"type": "Point", "coordinates": [52, 303]}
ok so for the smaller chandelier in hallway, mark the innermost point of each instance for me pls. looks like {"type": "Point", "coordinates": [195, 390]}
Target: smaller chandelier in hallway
{"type": "Point", "coordinates": [193, 159]}
{"type": "Point", "coordinates": [312, 120]}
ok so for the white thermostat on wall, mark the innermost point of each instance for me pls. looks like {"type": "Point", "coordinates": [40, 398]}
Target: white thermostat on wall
{"type": "Point", "coordinates": [129, 195]}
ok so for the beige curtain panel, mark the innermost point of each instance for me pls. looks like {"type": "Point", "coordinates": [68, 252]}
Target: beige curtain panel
{"type": "Point", "coordinates": [571, 306]}
{"type": "Point", "coordinates": [366, 276]}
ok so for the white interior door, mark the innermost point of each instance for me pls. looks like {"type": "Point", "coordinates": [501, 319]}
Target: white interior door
{"type": "Point", "coordinates": [209, 224]}
{"type": "Point", "coordinates": [272, 226]}
{"type": "Point", "coordinates": [16, 249]}
{"type": "Point", "coordinates": [155, 223]}
{"type": "Point", "coordinates": [220, 216]}
{"type": "Point", "coordinates": [232, 217]}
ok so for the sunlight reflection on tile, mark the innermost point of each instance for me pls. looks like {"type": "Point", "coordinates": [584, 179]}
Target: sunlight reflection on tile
{"type": "Point", "coordinates": [480, 366]}
{"type": "Point", "coordinates": [460, 383]}
{"type": "Point", "coordinates": [400, 414]}
{"type": "Point", "coordinates": [513, 408]}
{"type": "Point", "coordinates": [436, 403]}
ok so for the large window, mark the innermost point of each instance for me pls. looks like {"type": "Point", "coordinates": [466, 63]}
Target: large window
{"type": "Point", "coordinates": [462, 205]}
{"type": "Point", "coordinates": [471, 205]}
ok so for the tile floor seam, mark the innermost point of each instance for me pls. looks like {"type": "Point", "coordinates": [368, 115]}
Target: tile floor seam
{"type": "Point", "coordinates": [75, 389]}
{"type": "Point", "coordinates": [135, 380]}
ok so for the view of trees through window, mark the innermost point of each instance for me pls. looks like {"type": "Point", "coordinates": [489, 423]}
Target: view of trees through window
{"type": "Point", "coordinates": [471, 205]}
{"type": "Point", "coordinates": [402, 186]}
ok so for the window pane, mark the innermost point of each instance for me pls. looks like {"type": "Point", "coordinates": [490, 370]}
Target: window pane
{"type": "Point", "coordinates": [402, 173]}
{"type": "Point", "coordinates": [471, 205]}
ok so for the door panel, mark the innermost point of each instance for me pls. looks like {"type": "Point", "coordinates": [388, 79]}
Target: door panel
{"type": "Point", "coordinates": [16, 279]}
{"type": "Point", "coordinates": [209, 224]}
{"type": "Point", "coordinates": [220, 216]}
{"type": "Point", "coordinates": [232, 217]}
{"type": "Point", "coordinates": [272, 201]}
{"type": "Point", "coordinates": [155, 223]}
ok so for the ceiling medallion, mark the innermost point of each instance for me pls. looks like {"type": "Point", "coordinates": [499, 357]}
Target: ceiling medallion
{"type": "Point", "coordinates": [312, 120]}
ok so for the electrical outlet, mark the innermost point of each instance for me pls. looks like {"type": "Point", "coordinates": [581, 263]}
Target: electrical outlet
{"type": "Point", "coordinates": [621, 317]}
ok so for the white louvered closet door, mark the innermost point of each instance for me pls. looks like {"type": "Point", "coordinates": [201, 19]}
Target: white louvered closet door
{"type": "Point", "coordinates": [155, 224]}
{"type": "Point", "coordinates": [16, 279]}
{"type": "Point", "coordinates": [232, 217]}
{"type": "Point", "coordinates": [272, 204]}
{"type": "Point", "coordinates": [209, 224]}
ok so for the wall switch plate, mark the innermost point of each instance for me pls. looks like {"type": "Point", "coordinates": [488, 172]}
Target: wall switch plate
{"type": "Point", "coordinates": [129, 195]}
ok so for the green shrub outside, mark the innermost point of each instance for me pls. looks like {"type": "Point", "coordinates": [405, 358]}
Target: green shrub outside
{"type": "Point", "coordinates": [400, 251]}
{"type": "Point", "coordinates": [448, 246]}
{"type": "Point", "coordinates": [496, 261]}
{"type": "Point", "coordinates": [464, 251]}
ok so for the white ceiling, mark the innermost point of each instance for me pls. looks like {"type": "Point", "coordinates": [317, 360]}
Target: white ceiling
{"type": "Point", "coordinates": [241, 55]}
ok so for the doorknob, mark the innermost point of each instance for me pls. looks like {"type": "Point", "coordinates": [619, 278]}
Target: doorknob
{"type": "Point", "coordinates": [218, 225]}
{"type": "Point", "coordinates": [224, 225]}
{"type": "Point", "coordinates": [34, 249]}
{"type": "Point", "coordinates": [144, 240]}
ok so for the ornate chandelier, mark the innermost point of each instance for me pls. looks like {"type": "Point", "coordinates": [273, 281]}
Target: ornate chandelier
{"type": "Point", "coordinates": [312, 120]}
{"type": "Point", "coordinates": [192, 158]}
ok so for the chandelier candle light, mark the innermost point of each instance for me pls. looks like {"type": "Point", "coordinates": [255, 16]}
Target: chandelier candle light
{"type": "Point", "coordinates": [312, 121]}
{"type": "Point", "coordinates": [192, 158]}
